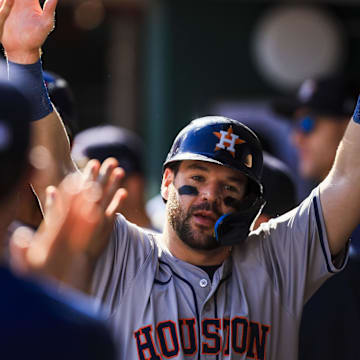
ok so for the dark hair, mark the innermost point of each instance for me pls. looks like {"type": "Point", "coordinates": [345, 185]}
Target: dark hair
{"type": "Point", "coordinates": [174, 167]}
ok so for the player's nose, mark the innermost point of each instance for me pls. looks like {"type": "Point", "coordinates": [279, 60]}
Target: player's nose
{"type": "Point", "coordinates": [210, 192]}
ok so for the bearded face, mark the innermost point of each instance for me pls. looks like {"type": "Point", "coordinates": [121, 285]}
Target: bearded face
{"type": "Point", "coordinates": [196, 236]}
{"type": "Point", "coordinates": [197, 194]}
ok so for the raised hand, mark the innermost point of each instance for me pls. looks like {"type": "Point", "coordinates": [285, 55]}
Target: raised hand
{"type": "Point", "coordinates": [26, 29]}
{"type": "Point", "coordinates": [79, 216]}
{"type": "Point", "coordinates": [106, 179]}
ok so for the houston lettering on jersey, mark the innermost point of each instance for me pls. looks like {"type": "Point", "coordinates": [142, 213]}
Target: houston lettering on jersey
{"type": "Point", "coordinates": [239, 336]}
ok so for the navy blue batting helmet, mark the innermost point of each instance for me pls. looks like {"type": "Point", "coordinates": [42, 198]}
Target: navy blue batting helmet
{"type": "Point", "coordinates": [222, 141]}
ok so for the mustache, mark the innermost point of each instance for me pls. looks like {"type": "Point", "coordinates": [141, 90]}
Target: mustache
{"type": "Point", "coordinates": [206, 206]}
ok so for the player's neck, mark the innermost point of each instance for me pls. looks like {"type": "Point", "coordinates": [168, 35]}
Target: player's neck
{"type": "Point", "coordinates": [193, 256]}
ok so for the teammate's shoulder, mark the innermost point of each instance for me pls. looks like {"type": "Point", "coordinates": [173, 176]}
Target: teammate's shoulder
{"type": "Point", "coordinates": [35, 316]}
{"type": "Point", "coordinates": [41, 297]}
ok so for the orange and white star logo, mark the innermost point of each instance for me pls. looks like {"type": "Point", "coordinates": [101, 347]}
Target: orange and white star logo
{"type": "Point", "coordinates": [228, 140]}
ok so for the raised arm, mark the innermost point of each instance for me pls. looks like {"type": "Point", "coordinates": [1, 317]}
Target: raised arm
{"type": "Point", "coordinates": [340, 191]}
{"type": "Point", "coordinates": [67, 235]}
{"type": "Point", "coordinates": [25, 31]}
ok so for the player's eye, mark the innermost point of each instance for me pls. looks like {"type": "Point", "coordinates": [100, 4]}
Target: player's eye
{"type": "Point", "coordinates": [197, 178]}
{"type": "Point", "coordinates": [230, 188]}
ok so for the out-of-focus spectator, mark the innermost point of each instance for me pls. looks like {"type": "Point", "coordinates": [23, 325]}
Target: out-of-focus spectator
{"type": "Point", "coordinates": [323, 109]}
{"type": "Point", "coordinates": [320, 113]}
{"type": "Point", "coordinates": [101, 142]}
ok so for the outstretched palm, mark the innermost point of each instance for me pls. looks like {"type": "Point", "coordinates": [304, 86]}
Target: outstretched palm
{"type": "Point", "coordinates": [27, 28]}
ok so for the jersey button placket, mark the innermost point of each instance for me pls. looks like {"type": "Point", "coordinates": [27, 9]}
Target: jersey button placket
{"type": "Point", "coordinates": [203, 283]}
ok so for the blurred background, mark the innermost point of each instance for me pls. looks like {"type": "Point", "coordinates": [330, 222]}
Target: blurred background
{"type": "Point", "coordinates": [153, 65]}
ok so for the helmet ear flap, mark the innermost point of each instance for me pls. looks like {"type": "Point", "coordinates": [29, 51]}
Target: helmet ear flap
{"type": "Point", "coordinates": [234, 228]}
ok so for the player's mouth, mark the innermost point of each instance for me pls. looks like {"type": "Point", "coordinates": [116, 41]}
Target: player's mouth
{"type": "Point", "coordinates": [204, 218]}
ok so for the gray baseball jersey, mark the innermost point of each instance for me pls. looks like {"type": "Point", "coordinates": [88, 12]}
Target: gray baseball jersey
{"type": "Point", "coordinates": [161, 307]}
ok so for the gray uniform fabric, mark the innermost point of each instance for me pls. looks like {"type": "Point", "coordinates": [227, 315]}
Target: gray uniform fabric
{"type": "Point", "coordinates": [161, 307]}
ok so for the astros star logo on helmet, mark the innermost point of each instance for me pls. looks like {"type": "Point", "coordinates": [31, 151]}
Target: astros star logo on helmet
{"type": "Point", "coordinates": [228, 140]}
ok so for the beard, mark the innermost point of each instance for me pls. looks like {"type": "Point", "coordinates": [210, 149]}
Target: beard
{"type": "Point", "coordinates": [180, 221]}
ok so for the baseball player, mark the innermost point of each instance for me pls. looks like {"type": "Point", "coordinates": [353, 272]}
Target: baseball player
{"type": "Point", "coordinates": [207, 288]}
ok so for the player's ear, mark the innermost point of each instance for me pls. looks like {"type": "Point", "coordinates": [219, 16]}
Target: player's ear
{"type": "Point", "coordinates": [167, 179]}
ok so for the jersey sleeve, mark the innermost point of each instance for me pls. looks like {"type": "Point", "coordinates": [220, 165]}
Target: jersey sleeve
{"type": "Point", "coordinates": [128, 249]}
{"type": "Point", "coordinates": [294, 250]}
